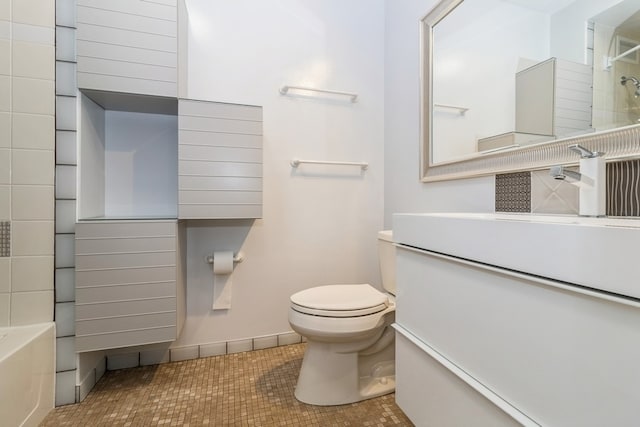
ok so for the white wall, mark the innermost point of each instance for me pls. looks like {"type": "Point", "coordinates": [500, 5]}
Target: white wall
{"type": "Point", "coordinates": [403, 190]}
{"type": "Point", "coordinates": [27, 161]}
{"type": "Point", "coordinates": [320, 223]}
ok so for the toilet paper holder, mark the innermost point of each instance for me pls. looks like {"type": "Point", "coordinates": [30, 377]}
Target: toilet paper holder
{"type": "Point", "coordinates": [238, 257]}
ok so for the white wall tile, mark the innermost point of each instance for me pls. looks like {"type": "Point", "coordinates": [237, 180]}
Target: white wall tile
{"type": "Point", "coordinates": [32, 274]}
{"type": "Point", "coordinates": [65, 216]}
{"type": "Point", "coordinates": [5, 309]}
{"type": "Point", "coordinates": [65, 388]}
{"type": "Point", "coordinates": [265, 342]}
{"type": "Point", "coordinates": [32, 202]}
{"type": "Point", "coordinates": [33, 33]}
{"type": "Point", "coordinates": [66, 147]}
{"type": "Point", "coordinates": [5, 30]}
{"type": "Point", "coordinates": [5, 202]}
{"type": "Point", "coordinates": [32, 238]}
{"type": "Point", "coordinates": [66, 78]}
{"type": "Point", "coordinates": [289, 338]}
{"type": "Point", "coordinates": [5, 93]}
{"type": "Point", "coordinates": [184, 353]}
{"type": "Point", "coordinates": [66, 113]}
{"type": "Point", "coordinates": [5, 57]}
{"type": "Point", "coordinates": [65, 44]}
{"type": "Point", "coordinates": [31, 307]}
{"type": "Point", "coordinates": [5, 10]}
{"type": "Point", "coordinates": [65, 250]}
{"type": "Point", "coordinates": [5, 166]}
{"type": "Point", "coordinates": [66, 13]}
{"type": "Point", "coordinates": [33, 96]}
{"type": "Point", "coordinates": [34, 12]}
{"type": "Point", "coordinates": [65, 282]}
{"type": "Point", "coordinates": [213, 349]}
{"type": "Point", "coordinates": [33, 60]}
{"type": "Point", "coordinates": [32, 167]}
{"type": "Point", "coordinates": [35, 131]}
{"type": "Point", "coordinates": [5, 130]}
{"type": "Point", "coordinates": [154, 357]}
{"type": "Point", "coordinates": [65, 319]}
{"type": "Point", "coordinates": [65, 182]}
{"type": "Point", "coordinates": [5, 275]}
{"type": "Point", "coordinates": [65, 354]}
{"type": "Point", "coordinates": [239, 346]}
{"type": "Point", "coordinates": [122, 361]}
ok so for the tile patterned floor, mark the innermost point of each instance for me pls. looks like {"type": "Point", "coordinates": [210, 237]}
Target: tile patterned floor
{"type": "Point", "coordinates": [243, 389]}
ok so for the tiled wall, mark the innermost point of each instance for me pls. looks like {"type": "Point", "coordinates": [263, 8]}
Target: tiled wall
{"type": "Point", "coordinates": [551, 196]}
{"type": "Point", "coordinates": [27, 150]}
{"type": "Point", "coordinates": [66, 161]}
{"type": "Point", "coordinates": [125, 358]}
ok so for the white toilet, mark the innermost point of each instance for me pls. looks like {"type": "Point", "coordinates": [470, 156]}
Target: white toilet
{"type": "Point", "coordinates": [350, 354]}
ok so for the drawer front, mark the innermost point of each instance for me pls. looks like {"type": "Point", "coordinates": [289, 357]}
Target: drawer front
{"type": "Point", "coordinates": [125, 229]}
{"type": "Point", "coordinates": [431, 395]}
{"type": "Point", "coordinates": [535, 344]}
{"type": "Point", "coordinates": [125, 339]}
{"type": "Point", "coordinates": [126, 278]}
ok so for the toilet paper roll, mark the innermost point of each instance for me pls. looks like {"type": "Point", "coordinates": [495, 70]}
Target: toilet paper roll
{"type": "Point", "coordinates": [222, 284]}
{"type": "Point", "coordinates": [223, 262]}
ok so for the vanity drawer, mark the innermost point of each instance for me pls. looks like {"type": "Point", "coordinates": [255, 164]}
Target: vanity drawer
{"type": "Point", "coordinates": [532, 341]}
{"type": "Point", "coordinates": [432, 395]}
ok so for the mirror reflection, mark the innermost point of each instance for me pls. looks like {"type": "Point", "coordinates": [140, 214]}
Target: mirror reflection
{"type": "Point", "coordinates": [510, 73]}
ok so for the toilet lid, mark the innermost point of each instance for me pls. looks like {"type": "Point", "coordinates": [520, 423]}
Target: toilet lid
{"type": "Point", "coordinates": [340, 300]}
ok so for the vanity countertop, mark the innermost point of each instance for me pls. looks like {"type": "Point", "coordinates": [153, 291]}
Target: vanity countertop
{"type": "Point", "coordinates": [598, 253]}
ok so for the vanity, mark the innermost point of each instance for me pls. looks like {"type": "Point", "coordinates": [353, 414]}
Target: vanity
{"type": "Point", "coordinates": [517, 319]}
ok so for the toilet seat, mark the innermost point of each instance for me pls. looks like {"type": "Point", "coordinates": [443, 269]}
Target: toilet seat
{"type": "Point", "coordinates": [340, 301]}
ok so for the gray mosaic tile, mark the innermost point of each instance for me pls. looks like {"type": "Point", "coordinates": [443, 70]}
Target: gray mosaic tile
{"type": "Point", "coordinates": [5, 238]}
{"type": "Point", "coordinates": [513, 192]}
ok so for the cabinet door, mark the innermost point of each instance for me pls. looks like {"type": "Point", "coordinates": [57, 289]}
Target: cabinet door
{"type": "Point", "coordinates": [219, 160]}
{"type": "Point", "coordinates": [127, 46]}
{"type": "Point", "coordinates": [125, 284]}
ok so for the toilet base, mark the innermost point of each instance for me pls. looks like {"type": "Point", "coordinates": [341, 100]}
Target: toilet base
{"type": "Point", "coordinates": [328, 377]}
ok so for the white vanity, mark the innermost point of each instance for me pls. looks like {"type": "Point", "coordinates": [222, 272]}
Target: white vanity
{"type": "Point", "coordinates": [517, 320]}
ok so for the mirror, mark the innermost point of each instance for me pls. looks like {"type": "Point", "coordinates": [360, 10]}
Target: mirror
{"type": "Point", "coordinates": [505, 77]}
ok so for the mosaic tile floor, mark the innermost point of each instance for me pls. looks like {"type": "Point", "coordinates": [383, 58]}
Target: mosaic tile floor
{"type": "Point", "coordinates": [242, 389]}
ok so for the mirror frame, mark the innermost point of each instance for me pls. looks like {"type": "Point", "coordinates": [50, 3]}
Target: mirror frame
{"type": "Point", "coordinates": [618, 144]}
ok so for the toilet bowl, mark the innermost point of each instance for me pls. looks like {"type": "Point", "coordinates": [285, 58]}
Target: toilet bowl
{"type": "Point", "coordinates": [350, 354]}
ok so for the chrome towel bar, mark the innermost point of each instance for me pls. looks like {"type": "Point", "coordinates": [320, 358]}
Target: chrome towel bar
{"type": "Point", "coordinates": [296, 162]}
{"type": "Point", "coordinates": [284, 90]}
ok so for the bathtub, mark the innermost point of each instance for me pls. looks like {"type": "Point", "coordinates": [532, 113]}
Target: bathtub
{"type": "Point", "coordinates": [27, 374]}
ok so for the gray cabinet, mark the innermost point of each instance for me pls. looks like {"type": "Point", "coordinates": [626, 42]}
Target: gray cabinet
{"type": "Point", "coordinates": [128, 46]}
{"type": "Point", "coordinates": [130, 283]}
{"type": "Point", "coordinates": [554, 98]}
{"type": "Point", "coordinates": [219, 160]}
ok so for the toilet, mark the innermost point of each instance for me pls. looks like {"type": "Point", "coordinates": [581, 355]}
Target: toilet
{"type": "Point", "coordinates": [350, 354]}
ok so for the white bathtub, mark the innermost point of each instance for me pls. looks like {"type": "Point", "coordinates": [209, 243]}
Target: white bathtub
{"type": "Point", "coordinates": [27, 374]}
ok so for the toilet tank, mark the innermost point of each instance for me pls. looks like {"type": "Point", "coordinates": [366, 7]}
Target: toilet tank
{"type": "Point", "coordinates": [387, 259]}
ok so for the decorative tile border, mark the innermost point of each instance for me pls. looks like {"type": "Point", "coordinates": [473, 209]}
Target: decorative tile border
{"type": "Point", "coordinates": [5, 238]}
{"type": "Point", "coordinates": [519, 192]}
